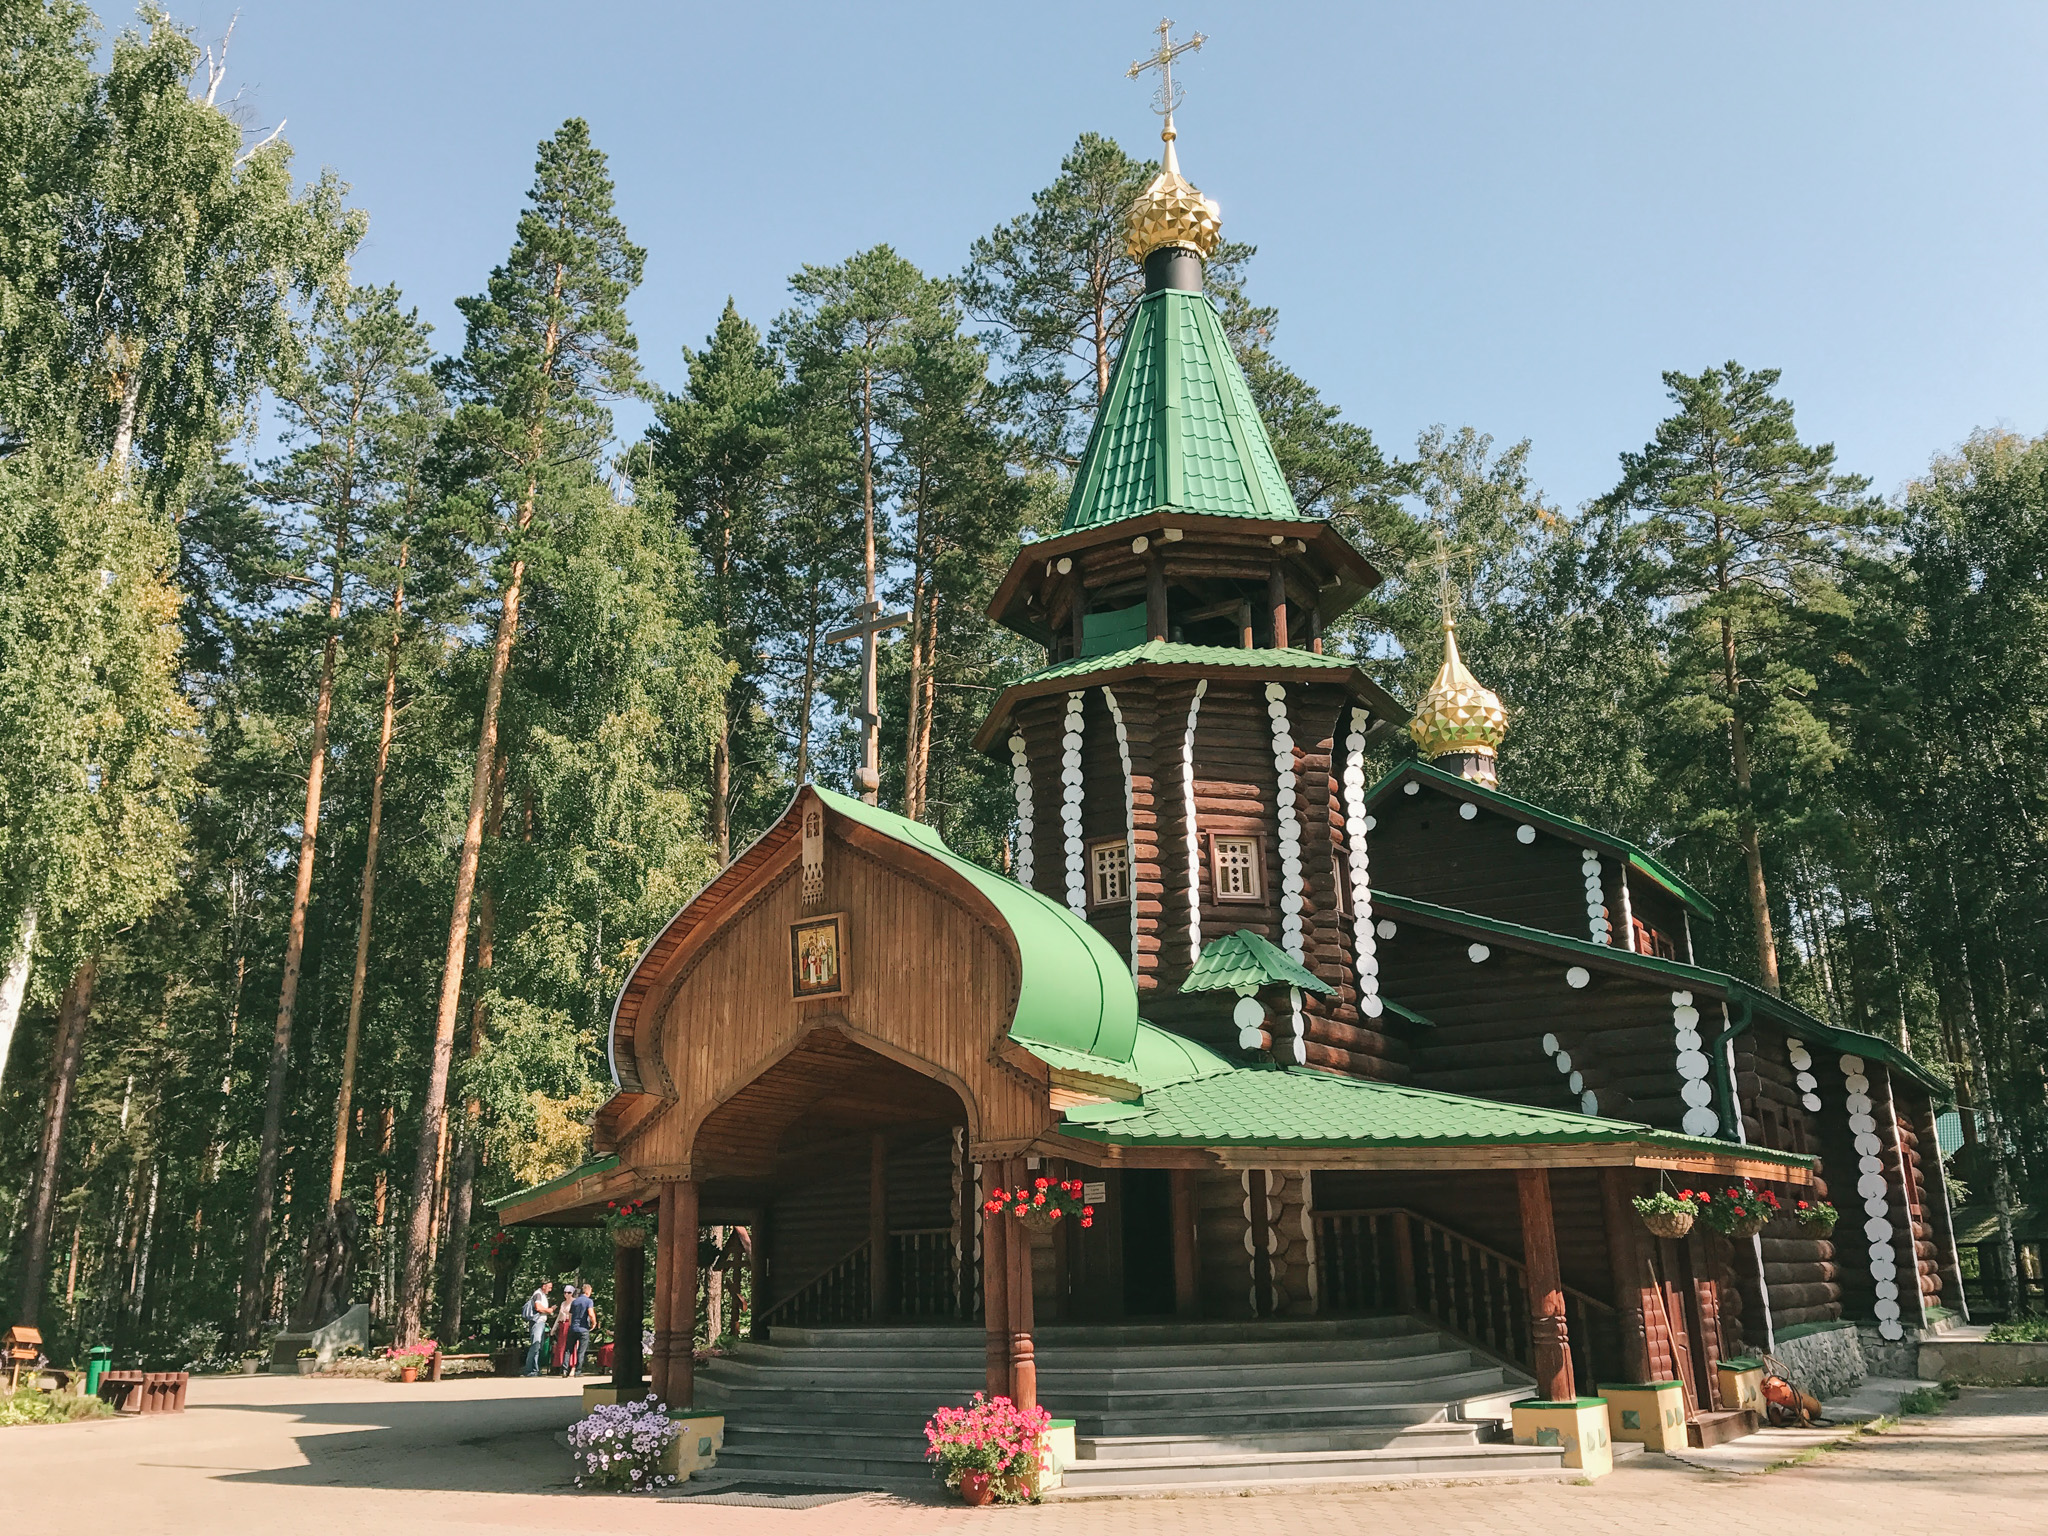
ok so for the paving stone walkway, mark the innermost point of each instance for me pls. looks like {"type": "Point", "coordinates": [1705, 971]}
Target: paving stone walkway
{"type": "Point", "coordinates": [284, 1457]}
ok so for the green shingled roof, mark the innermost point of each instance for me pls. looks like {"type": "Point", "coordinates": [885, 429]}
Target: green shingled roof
{"type": "Point", "coordinates": [1562, 825]}
{"type": "Point", "coordinates": [1301, 1107]}
{"type": "Point", "coordinates": [1074, 990]}
{"type": "Point", "coordinates": [588, 1170]}
{"type": "Point", "coordinates": [1244, 960]}
{"type": "Point", "coordinates": [1795, 1020]}
{"type": "Point", "coordinates": [1178, 427]}
{"type": "Point", "coordinates": [1159, 1059]}
{"type": "Point", "coordinates": [1176, 652]}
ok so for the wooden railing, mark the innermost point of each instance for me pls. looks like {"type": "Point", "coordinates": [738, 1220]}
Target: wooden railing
{"type": "Point", "coordinates": [924, 1281]}
{"type": "Point", "coordinates": [1398, 1261]}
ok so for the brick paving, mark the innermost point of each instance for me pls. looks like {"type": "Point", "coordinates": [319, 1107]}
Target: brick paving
{"type": "Point", "coordinates": [286, 1457]}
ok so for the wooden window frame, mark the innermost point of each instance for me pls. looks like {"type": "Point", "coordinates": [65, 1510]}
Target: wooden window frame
{"type": "Point", "coordinates": [1216, 891]}
{"type": "Point", "coordinates": [1088, 852]}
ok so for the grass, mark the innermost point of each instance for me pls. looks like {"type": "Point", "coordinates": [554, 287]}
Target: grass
{"type": "Point", "coordinates": [1922, 1401]}
{"type": "Point", "coordinates": [26, 1405]}
{"type": "Point", "coordinates": [2025, 1330]}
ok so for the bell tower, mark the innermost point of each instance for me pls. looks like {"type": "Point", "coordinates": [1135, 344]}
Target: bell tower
{"type": "Point", "coordinates": [1189, 765]}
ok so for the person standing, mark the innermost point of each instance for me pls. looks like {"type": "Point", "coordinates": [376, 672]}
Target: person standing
{"type": "Point", "coordinates": [561, 1353]}
{"type": "Point", "coordinates": [535, 1313]}
{"type": "Point", "coordinates": [582, 1319]}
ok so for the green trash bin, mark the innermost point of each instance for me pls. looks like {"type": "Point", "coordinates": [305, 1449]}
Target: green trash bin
{"type": "Point", "coordinates": [97, 1359]}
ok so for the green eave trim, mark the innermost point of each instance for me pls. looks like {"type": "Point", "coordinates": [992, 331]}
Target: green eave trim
{"type": "Point", "coordinates": [1178, 429]}
{"type": "Point", "coordinates": [1403, 1011]}
{"type": "Point", "coordinates": [1796, 1020]}
{"type": "Point", "coordinates": [1564, 826]}
{"type": "Point", "coordinates": [1244, 959]}
{"type": "Point", "coordinates": [1073, 990]}
{"type": "Point", "coordinates": [1179, 653]}
{"type": "Point", "coordinates": [588, 1170]}
{"type": "Point", "coordinates": [1644, 1386]}
{"type": "Point", "coordinates": [1801, 1330]}
{"type": "Point", "coordinates": [1565, 1402]}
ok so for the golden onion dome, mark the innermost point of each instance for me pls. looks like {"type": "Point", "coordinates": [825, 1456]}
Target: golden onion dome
{"type": "Point", "coordinates": [1459, 713]}
{"type": "Point", "coordinates": [1171, 212]}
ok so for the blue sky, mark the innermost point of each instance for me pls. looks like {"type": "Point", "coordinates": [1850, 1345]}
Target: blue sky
{"type": "Point", "coordinates": [1511, 216]}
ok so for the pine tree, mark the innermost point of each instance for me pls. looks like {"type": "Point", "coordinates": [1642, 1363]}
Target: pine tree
{"type": "Point", "coordinates": [547, 344]}
{"type": "Point", "coordinates": [1743, 530]}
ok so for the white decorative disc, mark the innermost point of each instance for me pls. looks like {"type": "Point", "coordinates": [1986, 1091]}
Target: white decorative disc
{"type": "Point", "coordinates": [1874, 1205]}
{"type": "Point", "coordinates": [1687, 1039]}
{"type": "Point", "coordinates": [1577, 976]}
{"type": "Point", "coordinates": [1681, 999]}
{"type": "Point", "coordinates": [1692, 1064]}
{"type": "Point", "coordinates": [1248, 1014]}
{"type": "Point", "coordinates": [1468, 810]}
{"type": "Point", "coordinates": [1887, 1290]}
{"type": "Point", "coordinates": [1275, 691]}
{"type": "Point", "coordinates": [1867, 1163]}
{"type": "Point", "coordinates": [1371, 822]}
{"type": "Point", "coordinates": [1878, 1230]}
{"type": "Point", "coordinates": [1700, 1122]}
{"type": "Point", "coordinates": [1684, 1015]}
{"type": "Point", "coordinates": [1812, 1102]}
{"type": "Point", "coordinates": [1697, 1093]}
{"type": "Point", "coordinates": [1371, 1006]}
{"type": "Point", "coordinates": [1478, 953]}
{"type": "Point", "coordinates": [1411, 788]}
{"type": "Point", "coordinates": [1856, 1082]}
{"type": "Point", "coordinates": [1807, 1082]}
{"type": "Point", "coordinates": [1886, 1311]}
{"type": "Point", "coordinates": [1862, 1125]}
{"type": "Point", "coordinates": [1550, 1045]}
{"type": "Point", "coordinates": [1564, 1061]}
{"type": "Point", "coordinates": [1578, 1082]}
{"type": "Point", "coordinates": [1851, 1065]}
{"type": "Point", "coordinates": [1385, 928]}
{"type": "Point", "coordinates": [1589, 1102]}
{"type": "Point", "coordinates": [1525, 833]}
{"type": "Point", "coordinates": [1801, 1062]}
{"type": "Point", "coordinates": [1248, 1039]}
{"type": "Point", "coordinates": [1857, 1103]}
{"type": "Point", "coordinates": [1890, 1329]}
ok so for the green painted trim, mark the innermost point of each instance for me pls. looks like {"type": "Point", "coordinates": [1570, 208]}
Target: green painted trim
{"type": "Point", "coordinates": [1798, 1021]}
{"type": "Point", "coordinates": [1181, 653]}
{"type": "Point", "coordinates": [1741, 1363]}
{"type": "Point", "coordinates": [1558, 823]}
{"type": "Point", "coordinates": [1403, 1011]}
{"type": "Point", "coordinates": [1642, 1386]}
{"type": "Point", "coordinates": [1060, 1424]}
{"type": "Point", "coordinates": [1801, 1330]}
{"type": "Point", "coordinates": [1576, 1402]}
{"type": "Point", "coordinates": [1936, 1314]}
{"type": "Point", "coordinates": [588, 1170]}
{"type": "Point", "coordinates": [1171, 488]}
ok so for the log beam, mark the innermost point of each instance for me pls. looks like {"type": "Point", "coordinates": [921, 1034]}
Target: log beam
{"type": "Point", "coordinates": [1548, 1338]}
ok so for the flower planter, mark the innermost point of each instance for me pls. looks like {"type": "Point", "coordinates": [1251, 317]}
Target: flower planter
{"type": "Point", "coordinates": [630, 1237]}
{"type": "Point", "coordinates": [408, 1373]}
{"type": "Point", "coordinates": [976, 1489]}
{"type": "Point", "coordinates": [1669, 1223]}
{"type": "Point", "coordinates": [252, 1365]}
{"type": "Point", "coordinates": [1745, 1227]}
{"type": "Point", "coordinates": [308, 1364]}
{"type": "Point", "coordinates": [1818, 1228]}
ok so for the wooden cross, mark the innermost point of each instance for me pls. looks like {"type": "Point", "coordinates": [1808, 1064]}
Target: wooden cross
{"type": "Point", "coordinates": [869, 622]}
{"type": "Point", "coordinates": [1162, 60]}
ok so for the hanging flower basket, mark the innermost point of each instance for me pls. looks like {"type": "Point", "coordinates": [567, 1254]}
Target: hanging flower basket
{"type": "Point", "coordinates": [1666, 1214]}
{"type": "Point", "coordinates": [1042, 1203]}
{"type": "Point", "coordinates": [1739, 1211]}
{"type": "Point", "coordinates": [629, 1222]}
{"type": "Point", "coordinates": [1816, 1217]}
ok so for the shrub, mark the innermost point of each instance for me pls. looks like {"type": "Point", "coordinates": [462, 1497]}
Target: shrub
{"type": "Point", "coordinates": [27, 1405]}
{"type": "Point", "coordinates": [2021, 1330]}
{"type": "Point", "coordinates": [620, 1446]}
{"type": "Point", "coordinates": [991, 1435]}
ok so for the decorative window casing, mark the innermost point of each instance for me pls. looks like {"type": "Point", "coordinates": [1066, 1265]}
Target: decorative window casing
{"type": "Point", "coordinates": [1109, 872]}
{"type": "Point", "coordinates": [1237, 867]}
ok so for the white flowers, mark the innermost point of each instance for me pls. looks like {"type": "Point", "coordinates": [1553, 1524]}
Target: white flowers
{"type": "Point", "coordinates": [620, 1445]}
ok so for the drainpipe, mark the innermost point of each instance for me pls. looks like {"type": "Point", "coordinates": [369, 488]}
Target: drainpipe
{"type": "Point", "coordinates": [1721, 1053]}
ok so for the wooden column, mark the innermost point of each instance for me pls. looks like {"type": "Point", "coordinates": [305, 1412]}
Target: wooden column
{"type": "Point", "coordinates": [1262, 1246]}
{"type": "Point", "coordinates": [1080, 615]}
{"type": "Point", "coordinates": [757, 1276]}
{"type": "Point", "coordinates": [1155, 596]}
{"type": "Point", "coordinates": [995, 1285]}
{"type": "Point", "coordinates": [878, 1227]}
{"type": "Point", "coordinates": [1549, 1340]}
{"type": "Point", "coordinates": [682, 1307]}
{"type": "Point", "coordinates": [1276, 599]}
{"type": "Point", "coordinates": [1244, 625]}
{"type": "Point", "coordinates": [1626, 1265]}
{"type": "Point", "coordinates": [629, 1318]}
{"type": "Point", "coordinates": [668, 1225]}
{"type": "Point", "coordinates": [1187, 1296]}
{"type": "Point", "coordinates": [1023, 1358]}
{"type": "Point", "coordinates": [1404, 1261]}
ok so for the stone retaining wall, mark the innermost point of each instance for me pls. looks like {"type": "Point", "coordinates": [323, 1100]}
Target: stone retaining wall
{"type": "Point", "coordinates": [1828, 1362]}
{"type": "Point", "coordinates": [1981, 1364]}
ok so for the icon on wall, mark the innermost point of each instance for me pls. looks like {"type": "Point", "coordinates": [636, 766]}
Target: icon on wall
{"type": "Point", "coordinates": [817, 956]}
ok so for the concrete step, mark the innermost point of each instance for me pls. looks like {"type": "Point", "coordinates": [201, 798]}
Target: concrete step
{"type": "Point", "coordinates": [1171, 1446]}
{"type": "Point", "coordinates": [1053, 1336]}
{"type": "Point", "coordinates": [1126, 1373]}
{"type": "Point", "coordinates": [1125, 1475]}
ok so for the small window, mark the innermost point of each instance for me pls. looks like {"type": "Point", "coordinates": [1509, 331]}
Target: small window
{"type": "Point", "coordinates": [1109, 872]}
{"type": "Point", "coordinates": [1237, 867]}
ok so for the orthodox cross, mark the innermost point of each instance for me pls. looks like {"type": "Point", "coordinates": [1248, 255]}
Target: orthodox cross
{"type": "Point", "coordinates": [869, 622]}
{"type": "Point", "coordinates": [1440, 559]}
{"type": "Point", "coordinates": [1162, 60]}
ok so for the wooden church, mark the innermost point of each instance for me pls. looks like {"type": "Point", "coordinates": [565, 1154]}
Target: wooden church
{"type": "Point", "coordinates": [1358, 1078]}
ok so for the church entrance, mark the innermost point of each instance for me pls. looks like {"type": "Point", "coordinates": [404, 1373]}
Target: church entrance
{"type": "Point", "coordinates": [1147, 1241]}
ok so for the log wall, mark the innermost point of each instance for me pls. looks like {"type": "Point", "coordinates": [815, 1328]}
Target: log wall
{"type": "Point", "coordinates": [1423, 848]}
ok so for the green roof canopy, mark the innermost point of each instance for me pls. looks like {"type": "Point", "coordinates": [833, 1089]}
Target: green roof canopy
{"type": "Point", "coordinates": [1244, 960]}
{"type": "Point", "coordinates": [1178, 427]}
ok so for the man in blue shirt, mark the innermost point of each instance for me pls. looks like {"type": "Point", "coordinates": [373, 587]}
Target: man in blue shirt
{"type": "Point", "coordinates": [535, 1315]}
{"type": "Point", "coordinates": [582, 1318]}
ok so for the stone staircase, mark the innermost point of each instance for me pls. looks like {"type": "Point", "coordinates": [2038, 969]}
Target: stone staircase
{"type": "Point", "coordinates": [1157, 1407]}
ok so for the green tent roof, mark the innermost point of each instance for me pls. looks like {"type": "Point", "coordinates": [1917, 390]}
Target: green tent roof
{"type": "Point", "coordinates": [1564, 826]}
{"type": "Point", "coordinates": [1302, 1107]}
{"type": "Point", "coordinates": [1178, 427]}
{"type": "Point", "coordinates": [1243, 959]}
{"type": "Point", "coordinates": [1795, 1019]}
{"type": "Point", "coordinates": [1075, 990]}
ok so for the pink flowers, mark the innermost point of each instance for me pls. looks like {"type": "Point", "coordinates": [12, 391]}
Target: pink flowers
{"type": "Point", "coordinates": [990, 1435]}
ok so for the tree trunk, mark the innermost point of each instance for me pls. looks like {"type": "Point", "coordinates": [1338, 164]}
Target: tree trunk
{"type": "Point", "coordinates": [288, 992]}
{"type": "Point", "coordinates": [338, 1172]}
{"type": "Point", "coordinates": [2003, 1201]}
{"type": "Point", "coordinates": [721, 785]}
{"type": "Point", "coordinates": [72, 1014]}
{"type": "Point", "coordinates": [419, 1231]}
{"type": "Point", "coordinates": [14, 983]}
{"type": "Point", "coordinates": [1746, 831]}
{"type": "Point", "coordinates": [462, 1194]}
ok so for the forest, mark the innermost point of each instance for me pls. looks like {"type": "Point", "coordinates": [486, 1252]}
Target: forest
{"type": "Point", "coordinates": [366, 701]}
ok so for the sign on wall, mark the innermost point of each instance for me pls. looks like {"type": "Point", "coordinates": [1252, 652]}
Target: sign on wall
{"type": "Point", "coordinates": [817, 956]}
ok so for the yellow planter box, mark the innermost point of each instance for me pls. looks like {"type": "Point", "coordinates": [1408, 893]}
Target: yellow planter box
{"type": "Point", "coordinates": [1055, 1454]}
{"type": "Point", "coordinates": [699, 1438]}
{"type": "Point", "coordinates": [1650, 1413]}
{"type": "Point", "coordinates": [1742, 1384]}
{"type": "Point", "coordinates": [598, 1394]}
{"type": "Point", "coordinates": [1579, 1426]}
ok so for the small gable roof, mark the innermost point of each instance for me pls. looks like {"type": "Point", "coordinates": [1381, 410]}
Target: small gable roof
{"type": "Point", "coordinates": [1555, 822]}
{"type": "Point", "coordinates": [1245, 960]}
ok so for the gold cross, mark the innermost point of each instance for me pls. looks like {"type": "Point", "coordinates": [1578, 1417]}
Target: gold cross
{"type": "Point", "coordinates": [1443, 554]}
{"type": "Point", "coordinates": [1168, 96]}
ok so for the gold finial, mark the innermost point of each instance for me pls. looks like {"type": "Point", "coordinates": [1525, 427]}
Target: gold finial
{"type": "Point", "coordinates": [1459, 716]}
{"type": "Point", "coordinates": [1170, 212]}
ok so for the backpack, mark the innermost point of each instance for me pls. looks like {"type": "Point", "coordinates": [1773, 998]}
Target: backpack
{"type": "Point", "coordinates": [527, 1312]}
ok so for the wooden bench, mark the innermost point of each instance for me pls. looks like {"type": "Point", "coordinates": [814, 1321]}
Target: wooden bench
{"type": "Point", "coordinates": [145, 1391]}
{"type": "Point", "coordinates": [435, 1364]}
